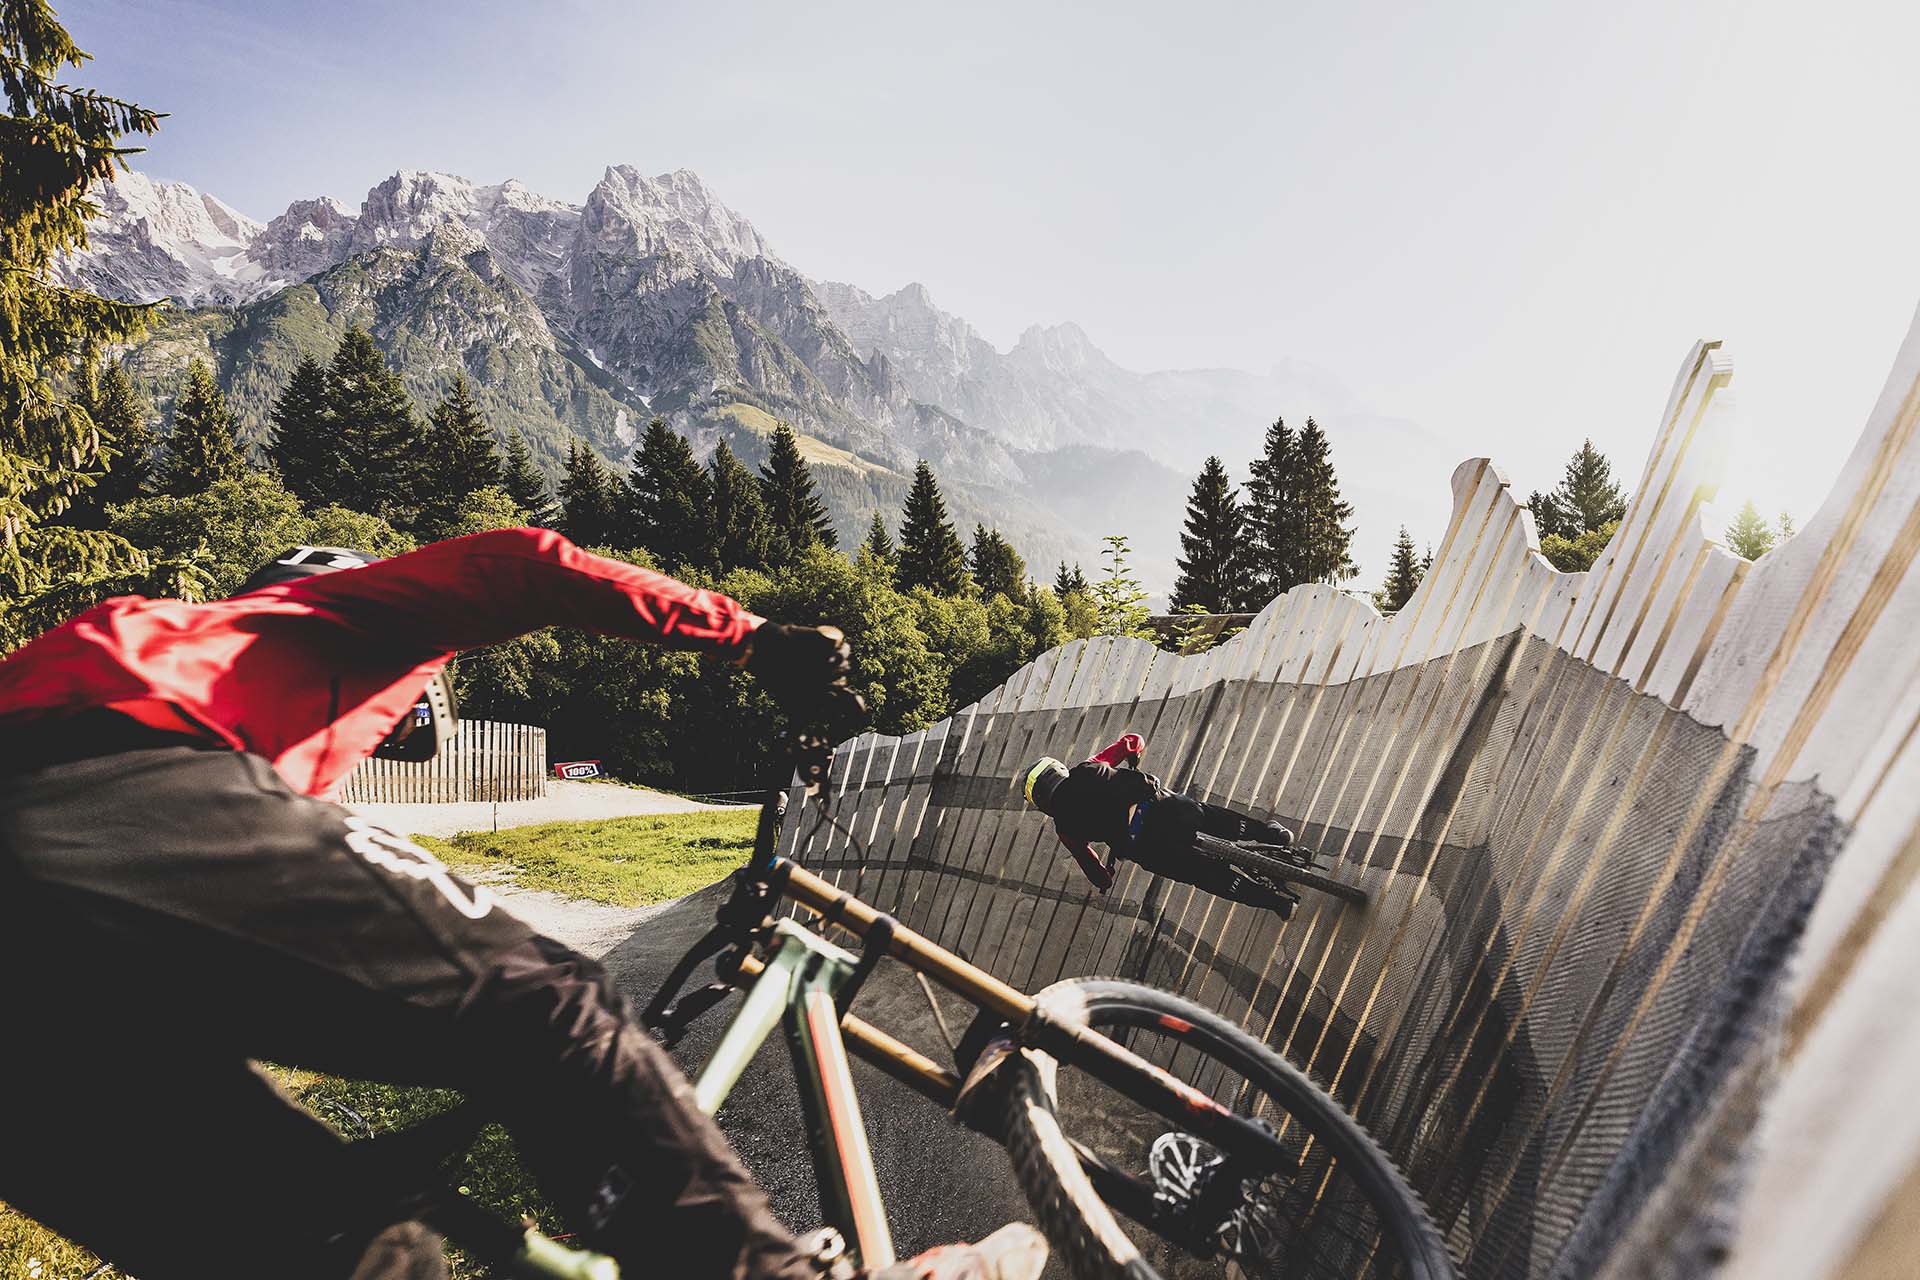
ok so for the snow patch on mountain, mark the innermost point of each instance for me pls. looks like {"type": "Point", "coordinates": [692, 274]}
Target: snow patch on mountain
{"type": "Point", "coordinates": [155, 240]}
{"type": "Point", "coordinates": [166, 240]}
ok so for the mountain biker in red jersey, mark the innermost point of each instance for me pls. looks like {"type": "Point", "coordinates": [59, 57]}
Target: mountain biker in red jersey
{"type": "Point", "coordinates": [176, 899]}
{"type": "Point", "coordinates": [1106, 799]}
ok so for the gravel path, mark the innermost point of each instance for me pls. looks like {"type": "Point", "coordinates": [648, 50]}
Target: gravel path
{"type": "Point", "coordinates": [564, 802]}
{"type": "Point", "coordinates": [591, 928]}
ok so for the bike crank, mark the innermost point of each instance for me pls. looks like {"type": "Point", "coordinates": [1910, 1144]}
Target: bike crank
{"type": "Point", "coordinates": [1242, 1223]}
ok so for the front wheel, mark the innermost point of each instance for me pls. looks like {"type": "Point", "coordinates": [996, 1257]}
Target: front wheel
{"type": "Point", "coordinates": [1328, 1203]}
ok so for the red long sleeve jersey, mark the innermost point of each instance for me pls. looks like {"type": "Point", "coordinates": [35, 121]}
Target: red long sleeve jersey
{"type": "Point", "coordinates": [312, 674]}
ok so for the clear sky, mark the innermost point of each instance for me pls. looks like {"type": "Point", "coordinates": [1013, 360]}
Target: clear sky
{"type": "Point", "coordinates": [1506, 221]}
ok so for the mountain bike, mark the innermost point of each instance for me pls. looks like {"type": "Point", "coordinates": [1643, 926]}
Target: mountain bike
{"type": "Point", "coordinates": [1277, 866]}
{"type": "Point", "coordinates": [1115, 1100]}
{"type": "Point", "coordinates": [1112, 1098]}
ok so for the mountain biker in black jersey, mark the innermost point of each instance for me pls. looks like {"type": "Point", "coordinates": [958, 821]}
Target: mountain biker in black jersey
{"type": "Point", "coordinates": [177, 897]}
{"type": "Point", "coordinates": [1106, 799]}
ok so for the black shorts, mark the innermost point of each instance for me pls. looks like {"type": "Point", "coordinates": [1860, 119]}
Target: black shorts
{"type": "Point", "coordinates": [1165, 847]}
{"type": "Point", "coordinates": [167, 915]}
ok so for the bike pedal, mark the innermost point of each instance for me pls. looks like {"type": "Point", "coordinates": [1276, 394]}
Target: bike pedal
{"type": "Point", "coordinates": [826, 1249]}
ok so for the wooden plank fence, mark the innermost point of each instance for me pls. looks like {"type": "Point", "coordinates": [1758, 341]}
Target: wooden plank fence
{"type": "Point", "coordinates": [487, 760]}
{"type": "Point", "coordinates": [1597, 814]}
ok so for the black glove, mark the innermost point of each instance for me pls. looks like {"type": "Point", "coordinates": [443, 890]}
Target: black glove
{"type": "Point", "coordinates": [806, 669]}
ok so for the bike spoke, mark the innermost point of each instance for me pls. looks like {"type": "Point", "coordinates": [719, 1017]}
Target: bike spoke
{"type": "Point", "coordinates": [1311, 1221]}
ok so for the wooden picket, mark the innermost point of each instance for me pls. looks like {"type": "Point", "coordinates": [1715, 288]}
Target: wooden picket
{"type": "Point", "coordinates": [487, 760]}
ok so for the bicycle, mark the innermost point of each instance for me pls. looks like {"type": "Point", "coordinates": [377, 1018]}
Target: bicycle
{"type": "Point", "coordinates": [1278, 1180]}
{"type": "Point", "coordinates": [1277, 866]}
{"type": "Point", "coordinates": [1286, 1183]}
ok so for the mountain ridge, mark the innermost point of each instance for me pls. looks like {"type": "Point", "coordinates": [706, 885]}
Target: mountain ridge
{"type": "Point", "coordinates": [655, 297]}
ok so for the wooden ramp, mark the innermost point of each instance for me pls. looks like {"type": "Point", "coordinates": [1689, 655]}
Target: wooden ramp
{"type": "Point", "coordinates": [1636, 988]}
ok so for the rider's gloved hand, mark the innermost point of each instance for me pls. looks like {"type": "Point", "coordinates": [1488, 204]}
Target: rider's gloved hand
{"type": "Point", "coordinates": [806, 670]}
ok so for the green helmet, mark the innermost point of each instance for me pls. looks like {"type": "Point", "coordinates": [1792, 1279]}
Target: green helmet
{"type": "Point", "coordinates": [1045, 775]}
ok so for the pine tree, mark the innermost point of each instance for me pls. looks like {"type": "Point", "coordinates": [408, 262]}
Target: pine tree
{"type": "Point", "coordinates": [742, 537]}
{"type": "Point", "coordinates": [1403, 576]}
{"type": "Point", "coordinates": [460, 457]}
{"type": "Point", "coordinates": [794, 511]}
{"type": "Point", "coordinates": [520, 476]}
{"type": "Point", "coordinates": [1585, 499]}
{"type": "Point", "coordinates": [1326, 540]}
{"type": "Point", "coordinates": [125, 415]}
{"type": "Point", "coordinates": [304, 444]}
{"type": "Point", "coordinates": [1749, 536]}
{"type": "Point", "coordinates": [664, 506]}
{"type": "Point", "coordinates": [128, 444]}
{"type": "Point", "coordinates": [997, 567]}
{"type": "Point", "coordinates": [201, 449]}
{"type": "Point", "coordinates": [1273, 530]}
{"type": "Point", "coordinates": [1212, 573]}
{"type": "Point", "coordinates": [57, 143]}
{"type": "Point", "coordinates": [1119, 600]}
{"type": "Point", "coordinates": [930, 552]}
{"type": "Point", "coordinates": [1068, 580]}
{"type": "Point", "coordinates": [382, 440]}
{"type": "Point", "coordinates": [879, 543]}
{"type": "Point", "coordinates": [587, 514]}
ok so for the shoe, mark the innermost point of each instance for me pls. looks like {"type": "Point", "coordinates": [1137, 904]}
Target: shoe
{"type": "Point", "coordinates": [1274, 834]}
{"type": "Point", "coordinates": [1014, 1252]}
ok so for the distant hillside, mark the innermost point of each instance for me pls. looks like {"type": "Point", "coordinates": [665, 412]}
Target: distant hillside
{"type": "Point", "coordinates": [653, 297]}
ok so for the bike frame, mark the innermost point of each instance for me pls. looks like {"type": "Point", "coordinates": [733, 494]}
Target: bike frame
{"type": "Point", "coordinates": [798, 987]}
{"type": "Point", "coordinates": [802, 984]}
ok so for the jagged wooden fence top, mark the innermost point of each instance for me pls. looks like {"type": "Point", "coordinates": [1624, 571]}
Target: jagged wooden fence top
{"type": "Point", "coordinates": [1597, 813]}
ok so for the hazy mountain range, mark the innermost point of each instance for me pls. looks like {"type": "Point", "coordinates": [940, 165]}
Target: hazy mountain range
{"type": "Point", "coordinates": [653, 297]}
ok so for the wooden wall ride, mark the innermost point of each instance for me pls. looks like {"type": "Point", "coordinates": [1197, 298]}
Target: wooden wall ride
{"type": "Point", "coordinates": [1635, 991]}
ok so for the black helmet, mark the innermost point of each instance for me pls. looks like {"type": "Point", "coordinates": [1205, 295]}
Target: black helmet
{"type": "Point", "coordinates": [1045, 775]}
{"type": "Point", "coordinates": [304, 562]}
{"type": "Point", "coordinates": [434, 718]}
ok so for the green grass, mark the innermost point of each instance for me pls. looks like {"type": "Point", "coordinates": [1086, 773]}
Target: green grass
{"type": "Point", "coordinates": [489, 1172]}
{"type": "Point", "coordinates": [623, 861]}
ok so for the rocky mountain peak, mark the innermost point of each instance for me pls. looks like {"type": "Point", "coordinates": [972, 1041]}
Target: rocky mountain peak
{"type": "Point", "coordinates": [173, 209]}
{"type": "Point", "coordinates": [157, 240]}
{"type": "Point", "coordinates": [629, 212]}
{"type": "Point", "coordinates": [904, 325]}
{"type": "Point", "coordinates": [1062, 348]}
{"type": "Point", "coordinates": [309, 237]}
{"type": "Point", "coordinates": [403, 209]}
{"type": "Point", "coordinates": [912, 295]}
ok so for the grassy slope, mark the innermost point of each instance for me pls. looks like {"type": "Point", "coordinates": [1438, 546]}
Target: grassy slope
{"type": "Point", "coordinates": [623, 861]}
{"type": "Point", "coordinates": [627, 861]}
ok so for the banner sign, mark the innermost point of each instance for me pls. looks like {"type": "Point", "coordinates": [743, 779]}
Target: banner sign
{"type": "Point", "coordinates": [577, 769]}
